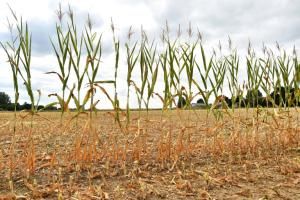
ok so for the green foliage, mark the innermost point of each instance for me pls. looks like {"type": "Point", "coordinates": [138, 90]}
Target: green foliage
{"type": "Point", "coordinates": [4, 98]}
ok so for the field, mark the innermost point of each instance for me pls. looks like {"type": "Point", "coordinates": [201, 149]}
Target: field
{"type": "Point", "coordinates": [178, 154]}
{"type": "Point", "coordinates": [243, 145]}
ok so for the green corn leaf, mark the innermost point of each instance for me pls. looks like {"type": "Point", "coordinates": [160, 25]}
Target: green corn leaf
{"type": "Point", "coordinates": [105, 81]}
{"type": "Point", "coordinates": [88, 95]}
{"type": "Point", "coordinates": [48, 106]}
{"type": "Point", "coordinates": [106, 94]}
{"type": "Point", "coordinates": [77, 103]}
{"type": "Point", "coordinates": [59, 76]}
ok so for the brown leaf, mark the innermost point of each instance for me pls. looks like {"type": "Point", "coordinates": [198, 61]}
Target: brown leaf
{"type": "Point", "coordinates": [245, 193]}
{"type": "Point", "coordinates": [296, 181]}
{"type": "Point", "coordinates": [8, 196]}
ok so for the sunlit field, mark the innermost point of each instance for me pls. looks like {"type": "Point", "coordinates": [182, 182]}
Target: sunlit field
{"type": "Point", "coordinates": [173, 155]}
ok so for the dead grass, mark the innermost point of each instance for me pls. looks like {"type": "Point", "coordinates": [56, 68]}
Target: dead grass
{"type": "Point", "coordinates": [177, 155]}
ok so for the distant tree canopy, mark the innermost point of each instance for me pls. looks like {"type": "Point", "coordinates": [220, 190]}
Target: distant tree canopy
{"type": "Point", "coordinates": [200, 101]}
{"type": "Point", "coordinates": [253, 94]}
{"type": "Point", "coordinates": [285, 96]}
{"type": "Point", "coordinates": [4, 98]}
{"type": "Point", "coordinates": [281, 96]}
{"type": "Point", "coordinates": [254, 97]}
{"type": "Point", "coordinates": [181, 102]}
{"type": "Point", "coordinates": [5, 104]}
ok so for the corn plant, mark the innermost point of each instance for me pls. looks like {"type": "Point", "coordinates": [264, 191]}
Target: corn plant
{"type": "Point", "coordinates": [218, 69]}
{"type": "Point", "coordinates": [75, 52]}
{"type": "Point", "coordinates": [143, 67]}
{"type": "Point", "coordinates": [296, 77]}
{"type": "Point", "coordinates": [21, 61]}
{"type": "Point", "coordinates": [274, 77]}
{"type": "Point", "coordinates": [254, 79]}
{"type": "Point", "coordinates": [169, 61]}
{"type": "Point", "coordinates": [188, 57]}
{"type": "Point", "coordinates": [286, 71]}
{"type": "Point", "coordinates": [131, 59]}
{"type": "Point", "coordinates": [12, 50]}
{"type": "Point", "coordinates": [173, 64]}
{"type": "Point", "coordinates": [24, 71]}
{"type": "Point", "coordinates": [204, 91]}
{"type": "Point", "coordinates": [116, 104]}
{"type": "Point", "coordinates": [61, 52]}
{"type": "Point", "coordinates": [232, 62]}
{"type": "Point", "coordinates": [266, 65]}
{"type": "Point", "coordinates": [255, 76]}
{"type": "Point", "coordinates": [167, 93]}
{"type": "Point", "coordinates": [153, 65]}
{"type": "Point", "coordinates": [94, 53]}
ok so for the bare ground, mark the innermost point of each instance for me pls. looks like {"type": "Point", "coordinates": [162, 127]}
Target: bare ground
{"type": "Point", "coordinates": [180, 155]}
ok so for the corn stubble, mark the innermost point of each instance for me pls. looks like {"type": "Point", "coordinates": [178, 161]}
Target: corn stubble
{"type": "Point", "coordinates": [52, 156]}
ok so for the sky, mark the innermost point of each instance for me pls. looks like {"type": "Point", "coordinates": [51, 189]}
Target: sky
{"type": "Point", "coordinates": [267, 22]}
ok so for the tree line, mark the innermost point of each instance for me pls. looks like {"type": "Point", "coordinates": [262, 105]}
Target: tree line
{"type": "Point", "coordinates": [7, 105]}
{"type": "Point", "coordinates": [281, 96]}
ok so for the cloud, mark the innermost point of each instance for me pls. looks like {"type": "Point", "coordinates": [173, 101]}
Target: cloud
{"type": "Point", "coordinates": [41, 33]}
{"type": "Point", "coordinates": [258, 20]}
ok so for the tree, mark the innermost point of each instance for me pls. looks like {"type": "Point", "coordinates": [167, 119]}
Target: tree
{"type": "Point", "coordinates": [4, 98]}
{"type": "Point", "coordinates": [181, 102]}
{"type": "Point", "coordinates": [254, 97]}
{"type": "Point", "coordinates": [26, 106]}
{"type": "Point", "coordinates": [228, 101]}
{"type": "Point", "coordinates": [200, 101]}
{"type": "Point", "coordinates": [284, 96]}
